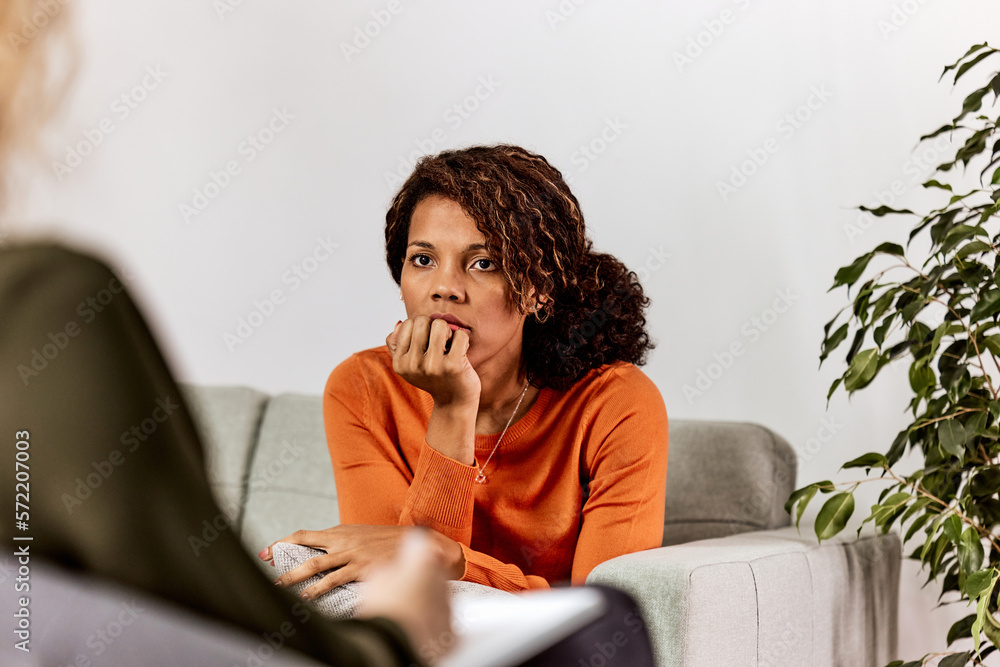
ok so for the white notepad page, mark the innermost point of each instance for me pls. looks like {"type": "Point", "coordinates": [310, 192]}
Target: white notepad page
{"type": "Point", "coordinates": [502, 632]}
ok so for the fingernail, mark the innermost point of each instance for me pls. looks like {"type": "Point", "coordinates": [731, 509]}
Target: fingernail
{"type": "Point", "coordinates": [277, 582]}
{"type": "Point", "coordinates": [304, 595]}
{"type": "Point", "coordinates": [263, 553]}
{"type": "Point", "coordinates": [397, 325]}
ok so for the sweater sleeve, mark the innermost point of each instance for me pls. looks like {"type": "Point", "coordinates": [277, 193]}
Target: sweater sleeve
{"type": "Point", "coordinates": [627, 465]}
{"type": "Point", "coordinates": [483, 569]}
{"type": "Point", "coordinates": [375, 484]}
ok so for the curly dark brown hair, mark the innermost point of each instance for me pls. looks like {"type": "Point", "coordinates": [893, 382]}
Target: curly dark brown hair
{"type": "Point", "coordinates": [593, 314]}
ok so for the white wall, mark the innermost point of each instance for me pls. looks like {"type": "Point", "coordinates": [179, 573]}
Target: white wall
{"type": "Point", "coordinates": [555, 85]}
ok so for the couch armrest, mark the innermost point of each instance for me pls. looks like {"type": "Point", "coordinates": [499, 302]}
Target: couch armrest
{"type": "Point", "coordinates": [770, 598]}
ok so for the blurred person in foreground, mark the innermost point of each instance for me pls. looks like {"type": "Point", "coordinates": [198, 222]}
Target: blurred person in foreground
{"type": "Point", "coordinates": [108, 376]}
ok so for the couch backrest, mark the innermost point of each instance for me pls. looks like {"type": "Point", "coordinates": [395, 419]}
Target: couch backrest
{"type": "Point", "coordinates": [269, 464]}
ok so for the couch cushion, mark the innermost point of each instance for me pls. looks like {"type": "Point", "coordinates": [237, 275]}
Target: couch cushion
{"type": "Point", "coordinates": [290, 486]}
{"type": "Point", "coordinates": [228, 419]}
{"type": "Point", "coordinates": [725, 478]}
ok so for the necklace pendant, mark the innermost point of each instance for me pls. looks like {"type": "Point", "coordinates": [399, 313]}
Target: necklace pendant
{"type": "Point", "coordinates": [480, 478]}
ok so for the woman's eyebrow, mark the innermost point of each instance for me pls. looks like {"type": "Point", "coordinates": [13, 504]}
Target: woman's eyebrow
{"type": "Point", "coordinates": [430, 246]}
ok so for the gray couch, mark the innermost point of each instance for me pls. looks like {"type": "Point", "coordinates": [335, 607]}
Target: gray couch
{"type": "Point", "coordinates": [732, 585]}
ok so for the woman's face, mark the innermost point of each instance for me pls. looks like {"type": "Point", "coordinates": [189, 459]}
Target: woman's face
{"type": "Point", "coordinates": [447, 270]}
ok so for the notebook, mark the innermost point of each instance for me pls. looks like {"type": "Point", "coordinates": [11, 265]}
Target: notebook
{"type": "Point", "coordinates": [502, 632]}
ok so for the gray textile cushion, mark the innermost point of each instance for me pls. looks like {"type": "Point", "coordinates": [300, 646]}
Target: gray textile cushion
{"type": "Point", "coordinates": [778, 595]}
{"type": "Point", "coordinates": [228, 419]}
{"type": "Point", "coordinates": [725, 478]}
{"type": "Point", "coordinates": [290, 485]}
{"type": "Point", "coordinates": [343, 601]}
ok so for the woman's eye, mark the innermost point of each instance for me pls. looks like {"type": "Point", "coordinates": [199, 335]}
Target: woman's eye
{"type": "Point", "coordinates": [488, 261]}
{"type": "Point", "coordinates": [417, 257]}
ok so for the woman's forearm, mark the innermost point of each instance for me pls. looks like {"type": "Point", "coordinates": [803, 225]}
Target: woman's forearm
{"type": "Point", "coordinates": [452, 431]}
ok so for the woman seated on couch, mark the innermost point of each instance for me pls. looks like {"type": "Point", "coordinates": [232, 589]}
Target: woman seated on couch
{"type": "Point", "coordinates": [506, 413]}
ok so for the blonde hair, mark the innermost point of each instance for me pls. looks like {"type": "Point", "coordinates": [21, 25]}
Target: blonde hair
{"type": "Point", "coordinates": [30, 85]}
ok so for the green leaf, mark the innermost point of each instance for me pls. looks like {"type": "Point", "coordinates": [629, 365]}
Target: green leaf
{"type": "Point", "coordinates": [834, 515]}
{"type": "Point", "coordinates": [914, 508]}
{"type": "Point", "coordinates": [972, 63]}
{"type": "Point", "coordinates": [885, 210]}
{"type": "Point", "coordinates": [915, 526]}
{"type": "Point", "coordinates": [985, 483]}
{"type": "Point", "coordinates": [970, 550]}
{"type": "Point", "coordinates": [862, 369]}
{"type": "Point", "coordinates": [869, 460]}
{"type": "Point", "coordinates": [961, 629]}
{"type": "Point", "coordinates": [993, 344]}
{"type": "Point", "coordinates": [848, 275]}
{"type": "Point", "coordinates": [977, 582]}
{"type": "Point", "coordinates": [883, 329]}
{"type": "Point", "coordinates": [955, 660]}
{"type": "Point", "coordinates": [831, 343]}
{"type": "Point", "coordinates": [890, 249]}
{"type": "Point", "coordinates": [921, 378]}
{"type": "Point", "coordinates": [802, 497]}
{"type": "Point", "coordinates": [833, 388]}
{"type": "Point", "coordinates": [935, 184]}
{"type": "Point", "coordinates": [946, 329]}
{"type": "Point", "coordinates": [952, 527]}
{"type": "Point", "coordinates": [987, 306]}
{"type": "Point", "coordinates": [953, 437]}
{"type": "Point", "coordinates": [971, 247]}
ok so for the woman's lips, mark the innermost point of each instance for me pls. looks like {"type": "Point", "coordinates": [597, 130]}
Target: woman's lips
{"type": "Point", "coordinates": [453, 322]}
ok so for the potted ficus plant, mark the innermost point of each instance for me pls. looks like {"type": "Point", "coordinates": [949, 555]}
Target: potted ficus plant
{"type": "Point", "coordinates": [941, 315]}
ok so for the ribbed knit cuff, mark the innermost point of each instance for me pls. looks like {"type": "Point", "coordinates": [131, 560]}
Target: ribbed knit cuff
{"type": "Point", "coordinates": [441, 494]}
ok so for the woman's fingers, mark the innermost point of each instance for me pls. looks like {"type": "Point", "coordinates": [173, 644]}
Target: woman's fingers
{"type": "Point", "coordinates": [311, 567]}
{"type": "Point", "coordinates": [344, 575]}
{"type": "Point", "coordinates": [320, 539]}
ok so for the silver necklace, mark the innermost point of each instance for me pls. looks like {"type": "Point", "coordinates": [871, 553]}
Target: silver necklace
{"type": "Point", "coordinates": [481, 476]}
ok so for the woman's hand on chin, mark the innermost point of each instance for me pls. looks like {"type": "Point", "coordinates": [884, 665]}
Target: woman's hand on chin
{"type": "Point", "coordinates": [356, 550]}
{"type": "Point", "coordinates": [430, 356]}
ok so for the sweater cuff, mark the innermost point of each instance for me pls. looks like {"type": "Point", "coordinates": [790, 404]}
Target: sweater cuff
{"type": "Point", "coordinates": [442, 490]}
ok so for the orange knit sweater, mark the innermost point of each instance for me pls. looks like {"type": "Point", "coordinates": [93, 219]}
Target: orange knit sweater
{"type": "Point", "coordinates": [576, 481]}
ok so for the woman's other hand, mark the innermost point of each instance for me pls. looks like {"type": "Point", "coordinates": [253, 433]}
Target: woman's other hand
{"type": "Point", "coordinates": [355, 550]}
{"type": "Point", "coordinates": [422, 356]}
